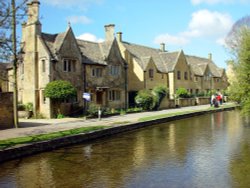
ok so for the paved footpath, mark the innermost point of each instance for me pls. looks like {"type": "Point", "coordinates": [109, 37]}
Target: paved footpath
{"type": "Point", "coordinates": [41, 126]}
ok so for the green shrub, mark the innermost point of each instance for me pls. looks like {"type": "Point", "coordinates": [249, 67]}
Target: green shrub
{"type": "Point", "coordinates": [92, 109]}
{"type": "Point", "coordinates": [145, 100]}
{"type": "Point", "coordinates": [29, 107]}
{"type": "Point", "coordinates": [159, 93]}
{"type": "Point", "coordinates": [60, 116]}
{"type": "Point", "coordinates": [182, 93]}
{"type": "Point", "coordinates": [60, 90]}
{"type": "Point", "coordinates": [20, 107]}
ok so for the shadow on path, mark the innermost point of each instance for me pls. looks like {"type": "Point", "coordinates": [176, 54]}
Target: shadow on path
{"type": "Point", "coordinates": [31, 124]}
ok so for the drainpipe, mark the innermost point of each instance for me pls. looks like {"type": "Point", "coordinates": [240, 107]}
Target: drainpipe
{"type": "Point", "coordinates": [126, 86]}
{"type": "Point", "coordinates": [84, 88]}
{"type": "Point", "coordinates": [144, 77]}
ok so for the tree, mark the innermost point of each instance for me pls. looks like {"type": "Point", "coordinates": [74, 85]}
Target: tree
{"type": "Point", "coordinates": [58, 91]}
{"type": "Point", "coordinates": [9, 17]}
{"type": "Point", "coordinates": [240, 87]}
{"type": "Point", "coordinates": [233, 38]}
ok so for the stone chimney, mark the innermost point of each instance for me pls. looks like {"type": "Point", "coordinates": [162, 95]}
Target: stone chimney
{"type": "Point", "coordinates": [119, 36]}
{"type": "Point", "coordinates": [210, 56]}
{"type": "Point", "coordinates": [33, 12]}
{"type": "Point", "coordinates": [109, 32]}
{"type": "Point", "coordinates": [162, 47]}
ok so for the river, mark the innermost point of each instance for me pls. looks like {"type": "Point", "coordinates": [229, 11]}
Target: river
{"type": "Point", "coordinates": [211, 150]}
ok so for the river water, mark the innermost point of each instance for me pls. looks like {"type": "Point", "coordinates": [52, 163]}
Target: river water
{"type": "Point", "coordinates": [212, 150]}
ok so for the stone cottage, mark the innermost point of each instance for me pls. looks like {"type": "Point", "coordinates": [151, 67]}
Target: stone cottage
{"type": "Point", "coordinates": [96, 68]}
{"type": "Point", "coordinates": [149, 67]}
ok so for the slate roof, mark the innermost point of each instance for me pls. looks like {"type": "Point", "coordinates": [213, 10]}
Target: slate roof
{"type": "Point", "coordinates": [170, 59]}
{"type": "Point", "coordinates": [199, 65]}
{"type": "Point", "coordinates": [53, 41]}
{"type": "Point", "coordinates": [164, 61]}
{"type": "Point", "coordinates": [93, 53]}
{"type": "Point", "coordinates": [97, 53]}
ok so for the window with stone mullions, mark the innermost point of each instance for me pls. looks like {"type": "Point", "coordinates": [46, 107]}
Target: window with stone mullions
{"type": "Point", "coordinates": [97, 72]}
{"type": "Point", "coordinates": [68, 65]}
{"type": "Point", "coordinates": [114, 70]}
{"type": "Point", "coordinates": [114, 95]}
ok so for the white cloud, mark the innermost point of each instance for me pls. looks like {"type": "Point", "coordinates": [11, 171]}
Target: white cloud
{"type": "Point", "coordinates": [207, 23]}
{"type": "Point", "coordinates": [204, 23]}
{"type": "Point", "coordinates": [170, 39]}
{"type": "Point", "coordinates": [79, 19]}
{"type": "Point", "coordinates": [89, 37]}
{"type": "Point", "coordinates": [221, 41]}
{"type": "Point", "coordinates": [197, 2]}
{"type": "Point", "coordinates": [82, 4]}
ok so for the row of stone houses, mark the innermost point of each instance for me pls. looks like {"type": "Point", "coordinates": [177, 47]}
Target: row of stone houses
{"type": "Point", "coordinates": [111, 71]}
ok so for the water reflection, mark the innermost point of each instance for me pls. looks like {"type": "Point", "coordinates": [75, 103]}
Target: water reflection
{"type": "Point", "coordinates": [206, 151]}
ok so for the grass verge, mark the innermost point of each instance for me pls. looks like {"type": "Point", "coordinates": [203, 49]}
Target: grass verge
{"type": "Point", "coordinates": [44, 137]}
{"type": "Point", "coordinates": [149, 118]}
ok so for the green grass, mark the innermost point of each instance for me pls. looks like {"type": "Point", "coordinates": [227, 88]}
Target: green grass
{"type": "Point", "coordinates": [120, 122]}
{"type": "Point", "coordinates": [43, 137]}
{"type": "Point", "coordinates": [149, 118]}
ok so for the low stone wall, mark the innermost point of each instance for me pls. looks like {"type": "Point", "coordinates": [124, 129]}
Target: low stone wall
{"type": "Point", "coordinates": [187, 102]}
{"type": "Point", "coordinates": [203, 100]}
{"type": "Point", "coordinates": [6, 111]}
{"type": "Point", "coordinates": [183, 102]}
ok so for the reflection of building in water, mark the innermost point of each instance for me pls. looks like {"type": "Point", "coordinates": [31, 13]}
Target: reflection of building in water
{"type": "Point", "coordinates": [139, 150]}
{"type": "Point", "coordinates": [171, 139]}
{"type": "Point", "coordinates": [87, 151]}
{"type": "Point", "coordinates": [35, 174]}
{"type": "Point", "coordinates": [219, 119]}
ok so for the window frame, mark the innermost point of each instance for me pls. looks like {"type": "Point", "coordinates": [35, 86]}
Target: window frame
{"type": "Point", "coordinates": [151, 73]}
{"type": "Point", "coordinates": [186, 75]}
{"type": "Point", "coordinates": [69, 65]}
{"type": "Point", "coordinates": [114, 95]}
{"type": "Point", "coordinates": [114, 70]}
{"type": "Point", "coordinates": [96, 72]}
{"type": "Point", "coordinates": [178, 75]}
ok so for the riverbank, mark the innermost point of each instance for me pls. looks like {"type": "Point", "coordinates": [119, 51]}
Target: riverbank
{"type": "Point", "coordinates": [33, 129]}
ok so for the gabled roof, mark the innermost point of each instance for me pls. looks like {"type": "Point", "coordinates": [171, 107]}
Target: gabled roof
{"type": "Point", "coordinates": [199, 66]}
{"type": "Point", "coordinates": [53, 41]}
{"type": "Point", "coordinates": [170, 59]}
{"type": "Point", "coordinates": [164, 61]}
{"type": "Point", "coordinates": [93, 53]}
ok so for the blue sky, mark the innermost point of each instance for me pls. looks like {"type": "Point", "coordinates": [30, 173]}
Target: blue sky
{"type": "Point", "coordinates": [196, 26]}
